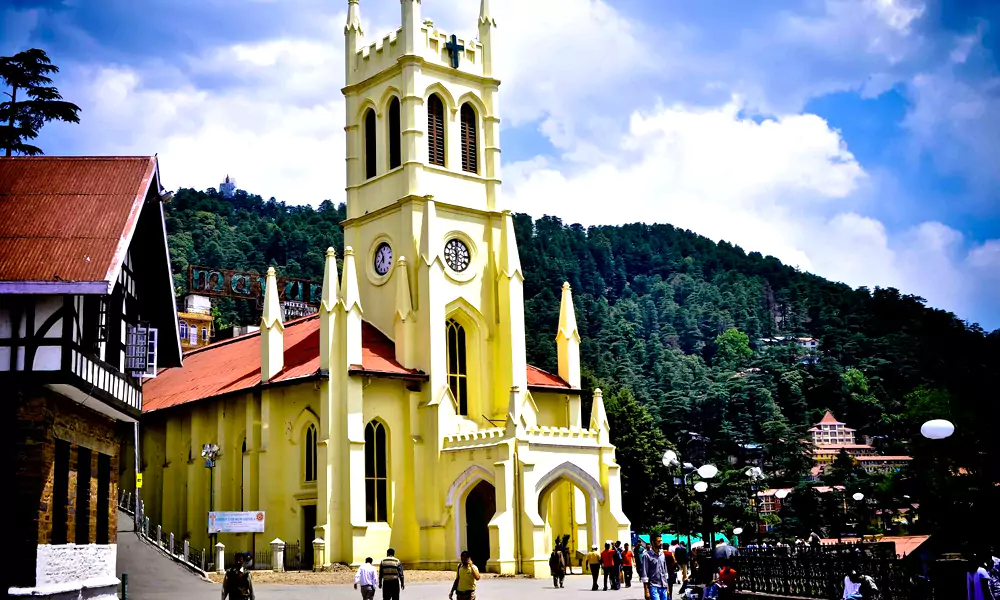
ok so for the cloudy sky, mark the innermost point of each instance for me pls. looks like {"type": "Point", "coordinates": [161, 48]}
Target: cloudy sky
{"type": "Point", "coordinates": [856, 139]}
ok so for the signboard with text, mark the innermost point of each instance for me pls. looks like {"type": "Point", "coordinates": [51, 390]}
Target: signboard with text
{"type": "Point", "coordinates": [236, 522]}
{"type": "Point", "coordinates": [249, 286]}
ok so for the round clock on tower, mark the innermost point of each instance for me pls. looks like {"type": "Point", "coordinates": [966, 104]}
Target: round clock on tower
{"type": "Point", "coordinates": [383, 258]}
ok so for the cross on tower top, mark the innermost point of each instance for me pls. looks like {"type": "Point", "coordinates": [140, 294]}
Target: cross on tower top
{"type": "Point", "coordinates": [453, 49]}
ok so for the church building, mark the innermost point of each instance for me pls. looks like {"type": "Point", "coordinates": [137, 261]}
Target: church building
{"type": "Point", "coordinates": [404, 413]}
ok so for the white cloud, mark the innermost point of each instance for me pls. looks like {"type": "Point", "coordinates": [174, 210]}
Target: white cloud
{"type": "Point", "coordinates": [782, 187]}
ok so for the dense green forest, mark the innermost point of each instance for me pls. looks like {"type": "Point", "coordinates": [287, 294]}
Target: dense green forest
{"type": "Point", "coordinates": [671, 326]}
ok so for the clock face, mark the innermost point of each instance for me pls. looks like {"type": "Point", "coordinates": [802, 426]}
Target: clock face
{"type": "Point", "coordinates": [383, 258]}
{"type": "Point", "coordinates": [456, 255]}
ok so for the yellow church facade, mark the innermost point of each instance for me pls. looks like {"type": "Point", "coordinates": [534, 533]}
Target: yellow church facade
{"type": "Point", "coordinates": [404, 413]}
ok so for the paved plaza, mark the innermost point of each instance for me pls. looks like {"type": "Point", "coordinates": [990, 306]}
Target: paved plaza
{"type": "Point", "coordinates": [153, 576]}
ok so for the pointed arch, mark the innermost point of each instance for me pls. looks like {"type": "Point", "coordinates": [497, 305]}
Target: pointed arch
{"type": "Point", "coordinates": [465, 332]}
{"type": "Point", "coordinates": [310, 467]}
{"type": "Point", "coordinates": [435, 130]}
{"type": "Point", "coordinates": [376, 472]}
{"type": "Point", "coordinates": [575, 474]}
{"type": "Point", "coordinates": [368, 128]}
{"type": "Point", "coordinates": [469, 138]}
{"type": "Point", "coordinates": [455, 499]}
{"type": "Point", "coordinates": [458, 364]}
{"type": "Point", "coordinates": [438, 88]}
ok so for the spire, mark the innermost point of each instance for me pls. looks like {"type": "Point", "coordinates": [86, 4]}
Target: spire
{"type": "Point", "coordinates": [328, 304]}
{"type": "Point", "coordinates": [351, 299]}
{"type": "Point", "coordinates": [403, 323]}
{"type": "Point", "coordinates": [568, 340]}
{"type": "Point", "coordinates": [349, 284]}
{"type": "Point", "coordinates": [599, 418]}
{"type": "Point", "coordinates": [272, 338]}
{"type": "Point", "coordinates": [404, 306]}
{"type": "Point", "coordinates": [485, 15]}
{"type": "Point", "coordinates": [510, 260]}
{"type": "Point", "coordinates": [353, 17]}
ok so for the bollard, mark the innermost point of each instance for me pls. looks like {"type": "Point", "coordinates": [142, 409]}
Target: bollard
{"type": "Point", "coordinates": [124, 586]}
{"type": "Point", "coordinates": [203, 559]}
{"type": "Point", "coordinates": [187, 551]}
{"type": "Point", "coordinates": [171, 543]}
{"type": "Point", "coordinates": [220, 558]}
{"type": "Point", "coordinates": [277, 555]}
{"type": "Point", "coordinates": [319, 556]}
{"type": "Point", "coordinates": [159, 535]}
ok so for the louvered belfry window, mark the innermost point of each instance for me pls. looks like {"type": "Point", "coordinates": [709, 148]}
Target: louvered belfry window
{"type": "Point", "coordinates": [435, 131]}
{"type": "Point", "coordinates": [469, 147]}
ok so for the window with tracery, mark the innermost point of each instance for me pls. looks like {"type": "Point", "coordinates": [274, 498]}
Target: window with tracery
{"type": "Point", "coordinates": [458, 374]}
{"type": "Point", "coordinates": [376, 473]}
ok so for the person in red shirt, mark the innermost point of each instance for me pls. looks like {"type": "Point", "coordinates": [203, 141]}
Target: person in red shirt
{"type": "Point", "coordinates": [727, 577]}
{"type": "Point", "coordinates": [608, 566]}
{"type": "Point", "coordinates": [627, 561]}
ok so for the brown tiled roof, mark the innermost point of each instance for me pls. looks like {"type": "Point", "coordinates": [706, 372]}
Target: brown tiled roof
{"type": "Point", "coordinates": [234, 365]}
{"type": "Point", "coordinates": [69, 219]}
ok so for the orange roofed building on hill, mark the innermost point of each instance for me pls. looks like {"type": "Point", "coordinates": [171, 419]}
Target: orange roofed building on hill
{"type": "Point", "coordinates": [404, 414]}
{"type": "Point", "coordinates": [831, 436]}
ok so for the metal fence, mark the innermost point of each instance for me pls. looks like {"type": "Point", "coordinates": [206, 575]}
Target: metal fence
{"type": "Point", "coordinates": [815, 574]}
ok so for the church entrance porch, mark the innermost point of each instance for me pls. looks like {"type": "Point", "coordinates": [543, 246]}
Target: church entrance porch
{"type": "Point", "coordinates": [480, 506]}
{"type": "Point", "coordinates": [563, 508]}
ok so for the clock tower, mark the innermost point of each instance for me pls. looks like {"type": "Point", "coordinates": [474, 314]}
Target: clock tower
{"type": "Point", "coordinates": [438, 269]}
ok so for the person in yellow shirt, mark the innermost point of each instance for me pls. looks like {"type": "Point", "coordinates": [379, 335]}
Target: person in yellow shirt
{"type": "Point", "coordinates": [593, 562]}
{"type": "Point", "coordinates": [465, 580]}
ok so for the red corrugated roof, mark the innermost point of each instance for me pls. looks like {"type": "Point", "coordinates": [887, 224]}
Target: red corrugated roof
{"type": "Point", "coordinates": [544, 379]}
{"type": "Point", "coordinates": [234, 365]}
{"type": "Point", "coordinates": [68, 218]}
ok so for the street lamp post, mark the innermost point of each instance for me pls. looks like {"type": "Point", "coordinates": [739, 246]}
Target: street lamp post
{"type": "Point", "coordinates": [210, 452]}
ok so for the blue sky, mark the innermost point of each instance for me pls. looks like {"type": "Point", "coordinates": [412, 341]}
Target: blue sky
{"type": "Point", "coordinates": [857, 139]}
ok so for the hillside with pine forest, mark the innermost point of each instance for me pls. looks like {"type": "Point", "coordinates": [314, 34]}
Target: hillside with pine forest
{"type": "Point", "coordinates": [672, 325]}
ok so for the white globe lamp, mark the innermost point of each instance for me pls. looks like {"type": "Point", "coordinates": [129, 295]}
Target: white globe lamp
{"type": "Point", "coordinates": [937, 429]}
{"type": "Point", "coordinates": [781, 494]}
{"type": "Point", "coordinates": [701, 487]}
{"type": "Point", "coordinates": [737, 531]}
{"type": "Point", "coordinates": [708, 471]}
{"type": "Point", "coordinates": [670, 458]}
{"type": "Point", "coordinates": [858, 496]}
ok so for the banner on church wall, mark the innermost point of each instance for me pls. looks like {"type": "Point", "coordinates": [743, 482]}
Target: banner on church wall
{"type": "Point", "coordinates": [236, 522]}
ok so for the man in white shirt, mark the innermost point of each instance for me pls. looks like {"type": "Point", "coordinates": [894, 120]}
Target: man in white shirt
{"type": "Point", "coordinates": [367, 578]}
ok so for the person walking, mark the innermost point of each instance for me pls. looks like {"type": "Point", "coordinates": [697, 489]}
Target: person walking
{"type": "Point", "coordinates": [593, 562]}
{"type": "Point", "coordinates": [367, 578]}
{"type": "Point", "coordinates": [466, 579]}
{"type": "Point", "coordinates": [608, 565]}
{"type": "Point", "coordinates": [655, 577]}
{"type": "Point", "coordinates": [681, 557]}
{"type": "Point", "coordinates": [238, 584]}
{"type": "Point", "coordinates": [627, 561]}
{"type": "Point", "coordinates": [390, 576]}
{"type": "Point", "coordinates": [557, 566]}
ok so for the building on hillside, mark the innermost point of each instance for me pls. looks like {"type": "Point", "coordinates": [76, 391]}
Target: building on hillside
{"type": "Point", "coordinates": [86, 313]}
{"type": "Point", "coordinates": [228, 187]}
{"type": "Point", "coordinates": [830, 437]}
{"type": "Point", "coordinates": [404, 413]}
{"type": "Point", "coordinates": [770, 501]}
{"type": "Point", "coordinates": [809, 345]}
{"type": "Point", "coordinates": [194, 322]}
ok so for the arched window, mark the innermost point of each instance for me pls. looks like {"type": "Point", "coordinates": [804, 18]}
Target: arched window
{"type": "Point", "coordinates": [184, 330]}
{"type": "Point", "coordinates": [310, 453]}
{"type": "Point", "coordinates": [470, 149]}
{"type": "Point", "coordinates": [204, 334]}
{"type": "Point", "coordinates": [395, 157]}
{"type": "Point", "coordinates": [435, 130]}
{"type": "Point", "coordinates": [369, 144]}
{"type": "Point", "coordinates": [458, 374]}
{"type": "Point", "coordinates": [376, 474]}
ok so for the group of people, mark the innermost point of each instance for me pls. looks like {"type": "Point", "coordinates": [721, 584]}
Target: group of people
{"type": "Point", "coordinates": [389, 578]}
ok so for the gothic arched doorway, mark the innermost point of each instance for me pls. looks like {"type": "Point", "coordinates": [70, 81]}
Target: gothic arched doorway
{"type": "Point", "coordinates": [480, 506]}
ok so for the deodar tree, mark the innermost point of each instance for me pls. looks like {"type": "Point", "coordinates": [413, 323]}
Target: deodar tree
{"type": "Point", "coordinates": [31, 101]}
